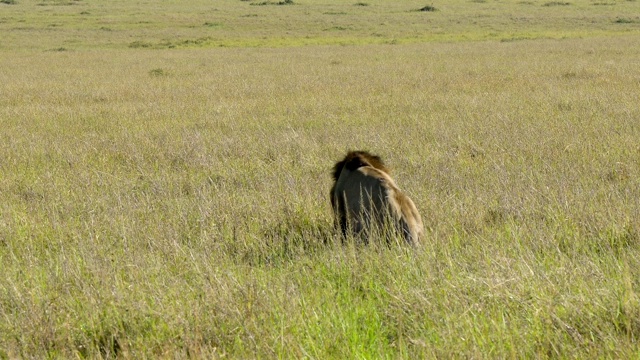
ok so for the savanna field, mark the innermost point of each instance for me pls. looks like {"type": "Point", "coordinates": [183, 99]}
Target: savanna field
{"type": "Point", "coordinates": [165, 169]}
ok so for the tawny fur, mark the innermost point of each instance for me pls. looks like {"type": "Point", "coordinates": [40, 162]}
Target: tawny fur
{"type": "Point", "coordinates": [365, 198]}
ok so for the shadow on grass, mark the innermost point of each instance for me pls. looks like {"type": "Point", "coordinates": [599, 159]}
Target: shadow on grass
{"type": "Point", "coordinates": [274, 242]}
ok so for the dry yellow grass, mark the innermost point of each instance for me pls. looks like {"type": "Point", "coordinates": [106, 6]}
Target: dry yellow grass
{"type": "Point", "coordinates": [173, 202]}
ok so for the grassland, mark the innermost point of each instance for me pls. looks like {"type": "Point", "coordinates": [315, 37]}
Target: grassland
{"type": "Point", "coordinates": [89, 24]}
{"type": "Point", "coordinates": [164, 171]}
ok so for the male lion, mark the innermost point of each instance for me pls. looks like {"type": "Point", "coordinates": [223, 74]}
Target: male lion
{"type": "Point", "coordinates": [365, 198]}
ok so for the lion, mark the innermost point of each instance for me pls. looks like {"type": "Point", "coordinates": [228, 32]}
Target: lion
{"type": "Point", "coordinates": [365, 199]}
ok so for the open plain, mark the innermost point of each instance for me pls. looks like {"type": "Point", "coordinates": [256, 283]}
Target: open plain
{"type": "Point", "coordinates": [165, 169]}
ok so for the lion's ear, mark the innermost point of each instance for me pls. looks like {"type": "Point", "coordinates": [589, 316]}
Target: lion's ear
{"type": "Point", "coordinates": [376, 162]}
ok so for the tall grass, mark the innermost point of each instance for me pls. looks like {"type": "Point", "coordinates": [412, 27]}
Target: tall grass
{"type": "Point", "coordinates": [174, 202]}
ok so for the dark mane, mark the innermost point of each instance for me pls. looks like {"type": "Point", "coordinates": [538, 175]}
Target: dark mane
{"type": "Point", "coordinates": [356, 159]}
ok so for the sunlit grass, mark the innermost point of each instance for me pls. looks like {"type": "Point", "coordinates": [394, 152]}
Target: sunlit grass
{"type": "Point", "coordinates": [172, 201]}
